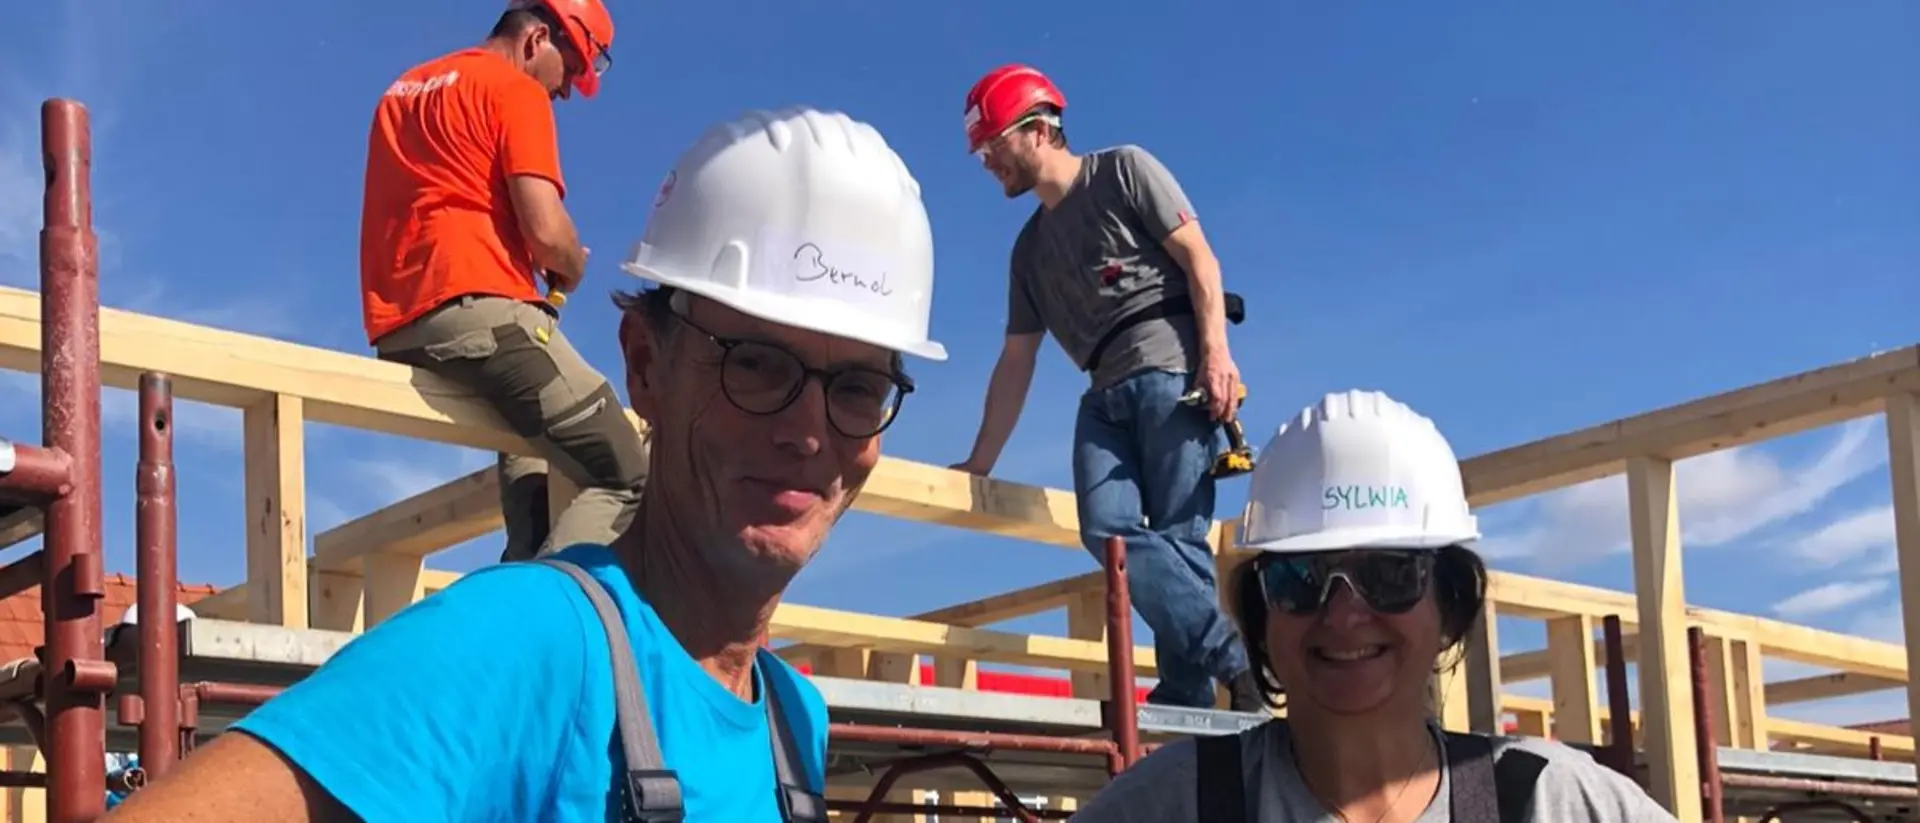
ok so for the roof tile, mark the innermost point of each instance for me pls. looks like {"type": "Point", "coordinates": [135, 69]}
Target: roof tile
{"type": "Point", "coordinates": [22, 628]}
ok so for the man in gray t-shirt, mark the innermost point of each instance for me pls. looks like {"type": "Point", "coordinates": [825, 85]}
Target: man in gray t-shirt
{"type": "Point", "coordinates": [1113, 265]}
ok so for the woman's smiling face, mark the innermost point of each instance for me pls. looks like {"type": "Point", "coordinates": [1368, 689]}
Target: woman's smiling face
{"type": "Point", "coordinates": [1350, 659]}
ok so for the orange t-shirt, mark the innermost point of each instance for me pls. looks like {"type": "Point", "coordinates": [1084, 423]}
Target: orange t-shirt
{"type": "Point", "coordinates": [436, 221]}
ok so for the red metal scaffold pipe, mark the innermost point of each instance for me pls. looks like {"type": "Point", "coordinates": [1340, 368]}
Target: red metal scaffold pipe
{"type": "Point", "coordinates": [157, 580]}
{"type": "Point", "coordinates": [65, 476]}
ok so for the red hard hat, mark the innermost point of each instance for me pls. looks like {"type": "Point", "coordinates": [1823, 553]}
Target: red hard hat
{"type": "Point", "coordinates": [589, 28]}
{"type": "Point", "coordinates": [1001, 97]}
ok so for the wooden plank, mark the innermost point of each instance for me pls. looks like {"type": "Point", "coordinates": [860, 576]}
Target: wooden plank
{"type": "Point", "coordinates": [231, 603]}
{"type": "Point", "coordinates": [392, 582]}
{"type": "Point", "coordinates": [1573, 674]}
{"type": "Point", "coordinates": [227, 368]}
{"type": "Point", "coordinates": [1840, 741]}
{"type": "Point", "coordinates": [1087, 620]}
{"type": "Point", "coordinates": [18, 524]}
{"type": "Point", "coordinates": [1903, 445]}
{"type": "Point", "coordinates": [1824, 686]}
{"type": "Point", "coordinates": [1749, 695]}
{"type": "Point", "coordinates": [1482, 662]}
{"type": "Point", "coordinates": [275, 481]}
{"type": "Point", "coordinates": [986, 611]}
{"type": "Point", "coordinates": [1540, 598]}
{"type": "Point", "coordinates": [446, 515]}
{"type": "Point", "coordinates": [847, 630]}
{"type": "Point", "coordinates": [1772, 409]}
{"type": "Point", "coordinates": [1666, 701]}
{"type": "Point", "coordinates": [232, 369]}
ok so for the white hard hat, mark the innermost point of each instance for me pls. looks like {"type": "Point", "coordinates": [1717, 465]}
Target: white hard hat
{"type": "Point", "coordinates": [800, 217]}
{"type": "Point", "coordinates": [1356, 470]}
{"type": "Point", "coordinates": [132, 616]}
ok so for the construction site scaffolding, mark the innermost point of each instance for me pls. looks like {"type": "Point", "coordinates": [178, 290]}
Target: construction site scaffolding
{"type": "Point", "coordinates": [176, 683]}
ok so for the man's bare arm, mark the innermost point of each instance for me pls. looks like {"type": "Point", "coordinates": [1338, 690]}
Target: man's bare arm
{"type": "Point", "coordinates": [234, 779]}
{"type": "Point", "coordinates": [1188, 247]}
{"type": "Point", "coordinates": [549, 230]}
{"type": "Point", "coordinates": [1006, 396]}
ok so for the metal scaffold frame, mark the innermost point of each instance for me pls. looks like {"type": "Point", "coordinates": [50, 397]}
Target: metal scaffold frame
{"type": "Point", "coordinates": [179, 683]}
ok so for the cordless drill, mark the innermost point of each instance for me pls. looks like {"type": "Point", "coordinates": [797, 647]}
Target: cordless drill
{"type": "Point", "coordinates": [1238, 458]}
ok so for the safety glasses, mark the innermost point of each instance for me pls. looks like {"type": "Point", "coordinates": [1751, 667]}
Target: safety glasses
{"type": "Point", "coordinates": [594, 59]}
{"type": "Point", "coordinates": [999, 139]}
{"type": "Point", "coordinates": [1389, 581]}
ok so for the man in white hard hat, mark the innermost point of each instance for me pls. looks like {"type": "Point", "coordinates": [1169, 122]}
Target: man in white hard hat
{"type": "Point", "coordinates": [795, 267]}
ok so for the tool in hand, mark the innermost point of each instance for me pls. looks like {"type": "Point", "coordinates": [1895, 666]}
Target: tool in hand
{"type": "Point", "coordinates": [1238, 458]}
{"type": "Point", "coordinates": [555, 298]}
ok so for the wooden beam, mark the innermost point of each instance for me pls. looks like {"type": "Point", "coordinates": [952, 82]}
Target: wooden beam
{"type": "Point", "coordinates": [1482, 663]}
{"type": "Point", "coordinates": [1824, 686]}
{"type": "Point", "coordinates": [1840, 741]}
{"type": "Point", "coordinates": [236, 370]}
{"type": "Point", "coordinates": [446, 515]}
{"type": "Point", "coordinates": [1572, 669]}
{"type": "Point", "coordinates": [845, 629]}
{"type": "Point", "coordinates": [1903, 444]}
{"type": "Point", "coordinates": [1666, 700]}
{"type": "Point", "coordinates": [1052, 594]}
{"type": "Point", "coordinates": [275, 480]}
{"type": "Point", "coordinates": [1539, 598]}
{"type": "Point", "coordinates": [1733, 675]}
{"type": "Point", "coordinates": [1087, 620]}
{"type": "Point", "coordinates": [231, 603]}
{"type": "Point", "coordinates": [19, 524]}
{"type": "Point", "coordinates": [1772, 409]}
{"type": "Point", "coordinates": [232, 369]}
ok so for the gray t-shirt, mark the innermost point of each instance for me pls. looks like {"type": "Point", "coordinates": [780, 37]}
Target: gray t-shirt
{"type": "Point", "coordinates": [1096, 256]}
{"type": "Point", "coordinates": [1160, 788]}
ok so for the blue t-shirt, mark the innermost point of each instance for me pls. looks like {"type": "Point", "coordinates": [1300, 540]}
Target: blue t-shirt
{"type": "Point", "coordinates": [493, 700]}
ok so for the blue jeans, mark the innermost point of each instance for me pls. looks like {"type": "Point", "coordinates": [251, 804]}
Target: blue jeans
{"type": "Point", "coordinates": [1140, 471]}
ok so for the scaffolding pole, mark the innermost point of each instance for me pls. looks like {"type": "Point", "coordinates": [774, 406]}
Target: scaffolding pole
{"type": "Point", "coordinates": [63, 478]}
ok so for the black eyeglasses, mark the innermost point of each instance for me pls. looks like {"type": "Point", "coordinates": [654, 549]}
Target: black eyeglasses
{"type": "Point", "coordinates": [1390, 581]}
{"type": "Point", "coordinates": [764, 378]}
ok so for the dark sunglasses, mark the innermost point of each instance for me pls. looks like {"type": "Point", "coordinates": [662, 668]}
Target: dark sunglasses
{"type": "Point", "coordinates": [1389, 581]}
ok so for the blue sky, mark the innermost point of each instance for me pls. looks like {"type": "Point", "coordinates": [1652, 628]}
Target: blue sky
{"type": "Point", "coordinates": [1521, 218]}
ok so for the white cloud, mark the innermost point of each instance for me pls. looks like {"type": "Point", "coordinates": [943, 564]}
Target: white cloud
{"type": "Point", "coordinates": [1829, 598]}
{"type": "Point", "coordinates": [1723, 496]}
{"type": "Point", "coordinates": [392, 479]}
{"type": "Point", "coordinates": [20, 188]}
{"type": "Point", "coordinates": [1865, 533]}
{"type": "Point", "coordinates": [198, 423]}
{"type": "Point", "coordinates": [1883, 622]}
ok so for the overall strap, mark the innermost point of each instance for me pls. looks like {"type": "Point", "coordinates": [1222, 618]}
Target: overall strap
{"type": "Point", "coordinates": [797, 802]}
{"type": "Point", "coordinates": [1221, 779]}
{"type": "Point", "coordinates": [1470, 778]}
{"type": "Point", "coordinates": [1483, 789]}
{"type": "Point", "coordinates": [651, 790]}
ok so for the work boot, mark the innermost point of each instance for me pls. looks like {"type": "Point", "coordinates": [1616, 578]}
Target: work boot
{"type": "Point", "coordinates": [1244, 695]}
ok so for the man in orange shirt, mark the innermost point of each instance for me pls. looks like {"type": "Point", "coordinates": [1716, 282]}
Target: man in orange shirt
{"type": "Point", "coordinates": [462, 218]}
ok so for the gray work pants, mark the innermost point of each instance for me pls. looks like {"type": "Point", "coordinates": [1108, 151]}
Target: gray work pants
{"type": "Point", "coordinates": [512, 355]}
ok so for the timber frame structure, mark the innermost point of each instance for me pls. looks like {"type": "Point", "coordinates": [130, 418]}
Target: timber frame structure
{"type": "Point", "coordinates": [1704, 745]}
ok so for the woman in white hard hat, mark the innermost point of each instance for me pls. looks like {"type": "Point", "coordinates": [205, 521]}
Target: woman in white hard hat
{"type": "Point", "coordinates": [1365, 579]}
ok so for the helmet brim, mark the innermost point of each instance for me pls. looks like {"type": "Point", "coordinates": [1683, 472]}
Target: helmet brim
{"type": "Point", "coordinates": [820, 316]}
